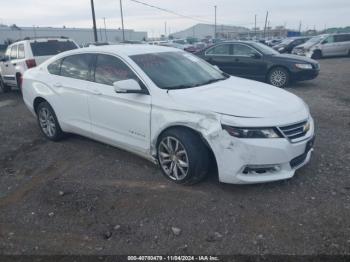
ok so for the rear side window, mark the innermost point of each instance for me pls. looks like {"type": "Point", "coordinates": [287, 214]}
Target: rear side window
{"type": "Point", "coordinates": [21, 54]}
{"type": "Point", "coordinates": [51, 47]}
{"type": "Point", "coordinates": [220, 50]}
{"type": "Point", "coordinates": [13, 54]}
{"type": "Point", "coordinates": [55, 67]}
{"type": "Point", "coordinates": [76, 66]}
{"type": "Point", "coordinates": [110, 69]}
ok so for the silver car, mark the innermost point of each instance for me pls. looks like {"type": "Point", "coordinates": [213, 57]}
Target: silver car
{"type": "Point", "coordinates": [325, 46]}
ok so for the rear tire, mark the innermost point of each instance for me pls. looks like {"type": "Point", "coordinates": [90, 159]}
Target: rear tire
{"type": "Point", "coordinates": [48, 122]}
{"type": "Point", "coordinates": [317, 54]}
{"type": "Point", "coordinates": [278, 77]}
{"type": "Point", "coordinates": [182, 156]}
{"type": "Point", "coordinates": [3, 87]}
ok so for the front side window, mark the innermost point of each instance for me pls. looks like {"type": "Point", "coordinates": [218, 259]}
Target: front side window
{"type": "Point", "coordinates": [220, 50]}
{"type": "Point", "coordinates": [342, 38]}
{"type": "Point", "coordinates": [13, 54]}
{"type": "Point", "coordinates": [110, 69]}
{"type": "Point", "coordinates": [21, 54]}
{"type": "Point", "coordinates": [177, 70]}
{"type": "Point", "coordinates": [243, 50]}
{"type": "Point", "coordinates": [329, 40]}
{"type": "Point", "coordinates": [76, 66]}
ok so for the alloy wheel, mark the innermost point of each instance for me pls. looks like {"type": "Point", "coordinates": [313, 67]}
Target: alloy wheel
{"type": "Point", "coordinates": [173, 158]}
{"type": "Point", "coordinates": [47, 122]}
{"type": "Point", "coordinates": [278, 78]}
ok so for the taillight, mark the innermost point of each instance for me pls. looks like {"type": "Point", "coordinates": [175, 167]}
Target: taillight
{"type": "Point", "coordinates": [30, 63]}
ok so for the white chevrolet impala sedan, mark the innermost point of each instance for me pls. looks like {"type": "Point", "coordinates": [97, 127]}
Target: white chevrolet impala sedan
{"type": "Point", "coordinates": [174, 109]}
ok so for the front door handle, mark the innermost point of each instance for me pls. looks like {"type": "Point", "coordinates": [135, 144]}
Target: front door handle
{"type": "Point", "coordinates": [236, 59]}
{"type": "Point", "coordinates": [58, 85]}
{"type": "Point", "coordinates": [96, 92]}
{"type": "Point", "coordinates": [14, 64]}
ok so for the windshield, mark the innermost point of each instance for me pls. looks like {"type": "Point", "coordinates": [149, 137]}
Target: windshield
{"type": "Point", "coordinates": [177, 70]}
{"type": "Point", "coordinates": [316, 39]}
{"type": "Point", "coordinates": [265, 49]}
{"type": "Point", "coordinates": [287, 41]}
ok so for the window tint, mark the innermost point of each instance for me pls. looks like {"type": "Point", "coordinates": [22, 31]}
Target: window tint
{"type": "Point", "coordinates": [220, 50]}
{"type": "Point", "coordinates": [55, 67]}
{"type": "Point", "coordinates": [51, 47]}
{"type": "Point", "coordinates": [176, 70]}
{"type": "Point", "coordinates": [76, 66]}
{"type": "Point", "coordinates": [243, 50]}
{"type": "Point", "coordinates": [21, 51]}
{"type": "Point", "coordinates": [110, 69]}
{"type": "Point", "coordinates": [13, 54]}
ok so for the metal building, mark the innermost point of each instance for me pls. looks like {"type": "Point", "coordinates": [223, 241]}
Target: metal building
{"type": "Point", "coordinates": [80, 35]}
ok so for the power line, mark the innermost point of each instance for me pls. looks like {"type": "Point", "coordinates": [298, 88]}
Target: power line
{"type": "Point", "coordinates": [170, 11]}
{"type": "Point", "coordinates": [186, 16]}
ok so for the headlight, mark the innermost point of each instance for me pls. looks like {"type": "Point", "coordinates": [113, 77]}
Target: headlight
{"type": "Point", "coordinates": [251, 132]}
{"type": "Point", "coordinates": [281, 49]}
{"type": "Point", "coordinates": [303, 66]}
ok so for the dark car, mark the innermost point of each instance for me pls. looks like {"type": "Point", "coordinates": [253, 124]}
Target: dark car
{"type": "Point", "coordinates": [259, 62]}
{"type": "Point", "coordinates": [288, 44]}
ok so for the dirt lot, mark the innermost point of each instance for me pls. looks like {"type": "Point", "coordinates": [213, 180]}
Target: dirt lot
{"type": "Point", "coordinates": [82, 197]}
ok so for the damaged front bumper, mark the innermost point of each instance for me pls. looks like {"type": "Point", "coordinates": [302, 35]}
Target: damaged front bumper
{"type": "Point", "coordinates": [248, 161]}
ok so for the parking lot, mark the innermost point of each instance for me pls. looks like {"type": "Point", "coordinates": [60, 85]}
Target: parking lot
{"type": "Point", "coordinates": [83, 197]}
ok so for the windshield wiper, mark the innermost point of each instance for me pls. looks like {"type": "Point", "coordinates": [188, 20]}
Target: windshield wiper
{"type": "Point", "coordinates": [212, 81]}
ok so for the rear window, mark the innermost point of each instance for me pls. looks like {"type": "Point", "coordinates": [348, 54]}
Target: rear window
{"type": "Point", "coordinates": [51, 47]}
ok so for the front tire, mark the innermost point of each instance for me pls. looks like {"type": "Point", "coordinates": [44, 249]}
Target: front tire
{"type": "Point", "coordinates": [3, 87]}
{"type": "Point", "coordinates": [182, 156]}
{"type": "Point", "coordinates": [317, 54]}
{"type": "Point", "coordinates": [279, 77]}
{"type": "Point", "coordinates": [48, 122]}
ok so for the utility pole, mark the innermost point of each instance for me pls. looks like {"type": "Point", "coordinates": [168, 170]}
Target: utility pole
{"type": "Point", "coordinates": [215, 7]}
{"type": "Point", "coordinates": [104, 21]}
{"type": "Point", "coordinates": [300, 26]}
{"type": "Point", "coordinates": [165, 29]}
{"type": "Point", "coordinates": [94, 20]}
{"type": "Point", "coordinates": [255, 27]}
{"type": "Point", "coordinates": [267, 15]}
{"type": "Point", "coordinates": [121, 14]}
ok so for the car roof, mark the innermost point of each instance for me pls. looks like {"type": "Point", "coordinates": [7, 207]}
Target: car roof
{"type": "Point", "coordinates": [41, 39]}
{"type": "Point", "coordinates": [125, 49]}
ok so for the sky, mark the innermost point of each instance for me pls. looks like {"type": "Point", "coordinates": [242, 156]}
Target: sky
{"type": "Point", "coordinates": [77, 13]}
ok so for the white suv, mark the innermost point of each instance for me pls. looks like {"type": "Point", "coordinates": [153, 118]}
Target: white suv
{"type": "Point", "coordinates": [26, 54]}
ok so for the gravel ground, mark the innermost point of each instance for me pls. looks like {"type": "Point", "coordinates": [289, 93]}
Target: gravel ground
{"type": "Point", "coordinates": [82, 197]}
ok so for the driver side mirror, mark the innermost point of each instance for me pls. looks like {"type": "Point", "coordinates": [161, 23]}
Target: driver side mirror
{"type": "Point", "coordinates": [255, 56]}
{"type": "Point", "coordinates": [129, 86]}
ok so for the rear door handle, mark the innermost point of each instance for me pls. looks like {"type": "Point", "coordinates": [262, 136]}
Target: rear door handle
{"type": "Point", "coordinates": [14, 64]}
{"type": "Point", "coordinates": [96, 92]}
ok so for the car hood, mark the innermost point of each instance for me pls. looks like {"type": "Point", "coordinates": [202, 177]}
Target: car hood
{"type": "Point", "coordinates": [241, 98]}
{"type": "Point", "coordinates": [305, 46]}
{"type": "Point", "coordinates": [293, 58]}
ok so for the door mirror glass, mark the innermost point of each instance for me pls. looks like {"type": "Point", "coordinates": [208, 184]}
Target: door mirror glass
{"type": "Point", "coordinates": [128, 86]}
